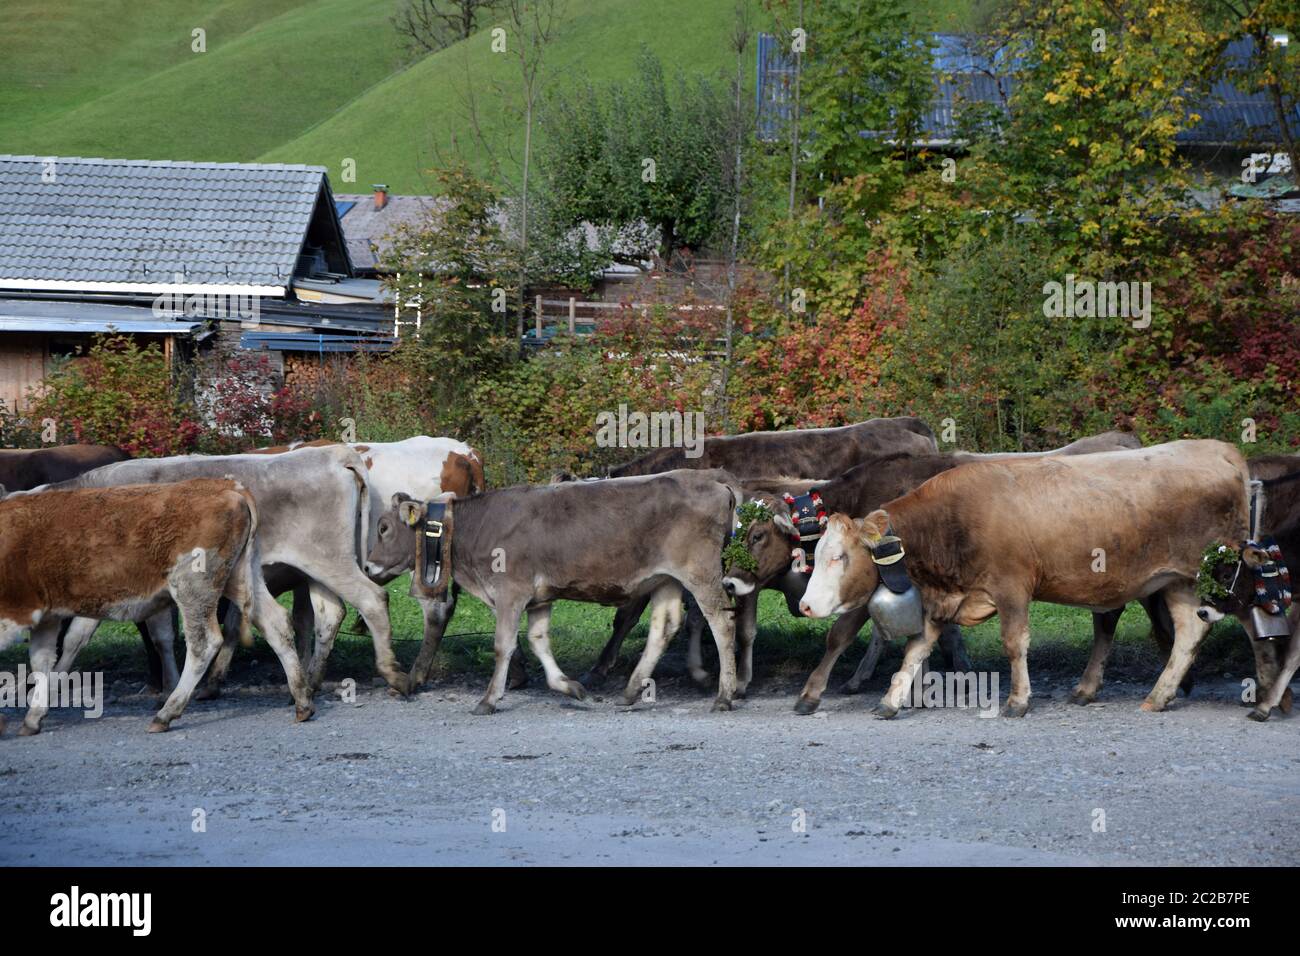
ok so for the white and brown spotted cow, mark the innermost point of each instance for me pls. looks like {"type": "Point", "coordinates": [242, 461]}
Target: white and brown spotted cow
{"type": "Point", "coordinates": [990, 537]}
{"type": "Point", "coordinates": [125, 554]}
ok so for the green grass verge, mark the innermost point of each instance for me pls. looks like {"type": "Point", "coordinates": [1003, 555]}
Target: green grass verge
{"type": "Point", "coordinates": [786, 649]}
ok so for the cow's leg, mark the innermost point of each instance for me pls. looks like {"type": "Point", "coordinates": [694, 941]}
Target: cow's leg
{"type": "Point", "coordinates": [625, 618]}
{"type": "Point", "coordinates": [1162, 632]}
{"type": "Point", "coordinates": [328, 613]}
{"type": "Point", "coordinates": [1103, 637]}
{"type": "Point", "coordinates": [539, 636]}
{"type": "Point", "coordinates": [714, 606]}
{"type": "Point", "coordinates": [1014, 616]}
{"type": "Point", "coordinates": [1267, 663]}
{"type": "Point", "coordinates": [665, 618]}
{"type": "Point", "coordinates": [161, 630]}
{"type": "Point", "coordinates": [746, 629]}
{"type": "Point", "coordinates": [78, 634]}
{"type": "Point", "coordinates": [867, 666]}
{"type": "Point", "coordinates": [953, 646]}
{"type": "Point", "coordinates": [507, 636]}
{"type": "Point", "coordinates": [838, 638]}
{"type": "Point", "coordinates": [229, 617]}
{"type": "Point", "coordinates": [694, 650]}
{"type": "Point", "coordinates": [1279, 692]}
{"type": "Point", "coordinates": [1188, 633]}
{"type": "Point", "coordinates": [43, 652]}
{"type": "Point", "coordinates": [371, 601]}
{"type": "Point", "coordinates": [304, 621]}
{"type": "Point", "coordinates": [914, 655]}
{"type": "Point", "coordinates": [277, 627]}
{"type": "Point", "coordinates": [437, 614]}
{"type": "Point", "coordinates": [202, 642]}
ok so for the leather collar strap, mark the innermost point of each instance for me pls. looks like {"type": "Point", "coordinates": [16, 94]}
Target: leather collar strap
{"type": "Point", "coordinates": [434, 550]}
{"type": "Point", "coordinates": [888, 555]}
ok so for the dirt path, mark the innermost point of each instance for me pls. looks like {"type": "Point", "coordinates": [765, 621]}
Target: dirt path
{"type": "Point", "coordinates": [418, 781]}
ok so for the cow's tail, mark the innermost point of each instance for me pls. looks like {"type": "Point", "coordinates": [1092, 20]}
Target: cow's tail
{"type": "Point", "coordinates": [478, 483]}
{"type": "Point", "coordinates": [362, 536]}
{"type": "Point", "coordinates": [249, 569]}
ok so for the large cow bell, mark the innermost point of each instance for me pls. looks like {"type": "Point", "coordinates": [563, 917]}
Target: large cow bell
{"type": "Point", "coordinates": [900, 615]}
{"type": "Point", "coordinates": [1269, 626]}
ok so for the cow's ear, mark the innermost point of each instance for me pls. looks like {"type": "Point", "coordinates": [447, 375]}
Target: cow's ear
{"type": "Point", "coordinates": [874, 526]}
{"type": "Point", "coordinates": [784, 522]}
{"type": "Point", "coordinates": [398, 498]}
{"type": "Point", "coordinates": [2, 492]}
{"type": "Point", "coordinates": [409, 512]}
{"type": "Point", "coordinates": [1254, 557]}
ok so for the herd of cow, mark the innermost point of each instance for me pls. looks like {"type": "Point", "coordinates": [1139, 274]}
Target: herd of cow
{"type": "Point", "coordinates": [840, 520]}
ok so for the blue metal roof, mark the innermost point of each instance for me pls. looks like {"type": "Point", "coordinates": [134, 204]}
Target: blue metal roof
{"type": "Point", "coordinates": [967, 74]}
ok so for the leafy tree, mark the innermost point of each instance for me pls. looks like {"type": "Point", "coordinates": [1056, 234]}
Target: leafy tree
{"type": "Point", "coordinates": [455, 270]}
{"type": "Point", "coordinates": [635, 150]}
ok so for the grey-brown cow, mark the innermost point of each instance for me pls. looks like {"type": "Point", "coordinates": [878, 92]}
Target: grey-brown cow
{"type": "Point", "coordinates": [607, 542]}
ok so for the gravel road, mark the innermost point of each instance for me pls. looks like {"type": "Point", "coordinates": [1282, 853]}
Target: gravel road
{"type": "Point", "coordinates": [421, 781]}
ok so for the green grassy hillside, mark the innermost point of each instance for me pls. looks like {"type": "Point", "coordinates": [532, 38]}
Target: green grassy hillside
{"type": "Point", "coordinates": [118, 78]}
{"type": "Point", "coordinates": [316, 81]}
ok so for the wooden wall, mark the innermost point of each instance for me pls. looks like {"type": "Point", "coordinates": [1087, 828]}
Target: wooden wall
{"type": "Point", "coordinates": [22, 365]}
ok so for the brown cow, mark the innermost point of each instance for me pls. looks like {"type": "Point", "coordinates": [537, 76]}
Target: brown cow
{"type": "Point", "coordinates": [805, 452]}
{"type": "Point", "coordinates": [123, 553]}
{"type": "Point", "coordinates": [519, 549]}
{"type": "Point", "coordinates": [857, 492]}
{"type": "Point", "coordinates": [784, 457]}
{"type": "Point", "coordinates": [990, 537]}
{"type": "Point", "coordinates": [23, 469]}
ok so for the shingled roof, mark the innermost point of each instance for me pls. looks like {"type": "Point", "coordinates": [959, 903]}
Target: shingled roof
{"type": "Point", "coordinates": [134, 226]}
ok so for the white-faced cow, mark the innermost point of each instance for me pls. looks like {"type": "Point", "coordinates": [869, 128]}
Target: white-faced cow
{"type": "Point", "coordinates": [607, 542]}
{"type": "Point", "coordinates": [771, 541]}
{"type": "Point", "coordinates": [1094, 531]}
{"type": "Point", "coordinates": [127, 553]}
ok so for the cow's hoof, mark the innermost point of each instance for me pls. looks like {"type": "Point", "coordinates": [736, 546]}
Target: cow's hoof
{"type": "Point", "coordinates": [575, 690]}
{"type": "Point", "coordinates": [25, 731]}
{"type": "Point", "coordinates": [1259, 714]}
{"type": "Point", "coordinates": [207, 692]}
{"type": "Point", "coordinates": [157, 726]}
{"type": "Point", "coordinates": [1015, 710]}
{"type": "Point", "coordinates": [1150, 706]}
{"type": "Point", "coordinates": [741, 693]}
{"type": "Point", "coordinates": [885, 711]}
{"type": "Point", "coordinates": [517, 680]}
{"type": "Point", "coordinates": [849, 689]}
{"type": "Point", "coordinates": [593, 680]}
{"type": "Point", "coordinates": [803, 706]}
{"type": "Point", "coordinates": [400, 683]}
{"type": "Point", "coordinates": [301, 714]}
{"type": "Point", "coordinates": [1284, 704]}
{"type": "Point", "coordinates": [1081, 697]}
{"type": "Point", "coordinates": [721, 705]}
{"type": "Point", "coordinates": [483, 709]}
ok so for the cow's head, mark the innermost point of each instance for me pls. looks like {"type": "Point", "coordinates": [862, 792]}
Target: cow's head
{"type": "Point", "coordinates": [1226, 580]}
{"type": "Point", "coordinates": [761, 548]}
{"type": "Point", "coordinates": [844, 576]}
{"type": "Point", "coordinates": [395, 541]}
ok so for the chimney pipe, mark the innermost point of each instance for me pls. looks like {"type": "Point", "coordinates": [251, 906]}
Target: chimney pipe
{"type": "Point", "coordinates": [381, 195]}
